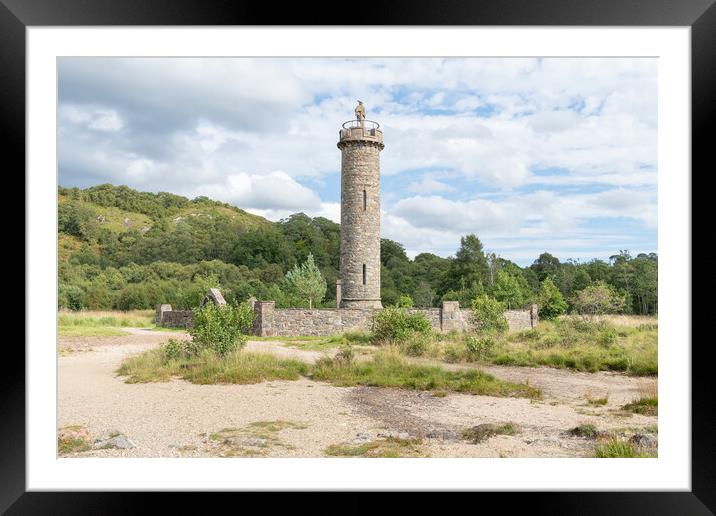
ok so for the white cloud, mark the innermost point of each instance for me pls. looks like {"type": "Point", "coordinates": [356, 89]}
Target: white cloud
{"type": "Point", "coordinates": [428, 185]}
{"type": "Point", "coordinates": [273, 191]}
{"type": "Point", "coordinates": [252, 131]}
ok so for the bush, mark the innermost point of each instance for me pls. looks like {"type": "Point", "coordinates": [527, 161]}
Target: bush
{"type": "Point", "coordinates": [550, 300]}
{"type": "Point", "coordinates": [488, 315]}
{"type": "Point", "coordinates": [219, 328]}
{"type": "Point", "coordinates": [176, 349]}
{"type": "Point", "coordinates": [398, 325]}
{"type": "Point", "coordinates": [416, 344]}
{"type": "Point", "coordinates": [479, 348]}
{"type": "Point", "coordinates": [345, 355]}
{"type": "Point", "coordinates": [405, 301]}
{"type": "Point", "coordinates": [133, 297]}
{"type": "Point", "coordinates": [70, 296]}
{"type": "Point", "coordinates": [452, 354]}
{"type": "Point", "coordinates": [598, 299]}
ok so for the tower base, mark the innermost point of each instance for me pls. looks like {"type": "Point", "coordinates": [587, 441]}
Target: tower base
{"type": "Point", "coordinates": [360, 303]}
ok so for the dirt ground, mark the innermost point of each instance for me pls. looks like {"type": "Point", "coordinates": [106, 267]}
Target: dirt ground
{"type": "Point", "coordinates": [303, 418]}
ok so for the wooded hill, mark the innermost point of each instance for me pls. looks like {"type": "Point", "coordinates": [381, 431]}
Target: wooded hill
{"type": "Point", "coordinates": [124, 249]}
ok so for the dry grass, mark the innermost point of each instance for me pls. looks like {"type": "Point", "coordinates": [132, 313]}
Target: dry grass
{"type": "Point", "coordinates": [569, 342]}
{"type": "Point", "coordinates": [101, 323]}
{"type": "Point", "coordinates": [89, 331]}
{"type": "Point", "coordinates": [619, 448]}
{"type": "Point", "coordinates": [647, 404]}
{"type": "Point", "coordinates": [208, 368]}
{"type": "Point", "coordinates": [388, 368]}
{"type": "Point", "coordinates": [627, 321]}
{"type": "Point", "coordinates": [380, 448]}
{"type": "Point", "coordinates": [254, 440]}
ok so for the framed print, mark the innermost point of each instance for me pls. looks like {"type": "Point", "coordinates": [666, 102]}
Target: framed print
{"type": "Point", "coordinates": [429, 250]}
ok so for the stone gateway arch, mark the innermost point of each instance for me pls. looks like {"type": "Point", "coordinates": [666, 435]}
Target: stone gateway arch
{"type": "Point", "coordinates": [360, 142]}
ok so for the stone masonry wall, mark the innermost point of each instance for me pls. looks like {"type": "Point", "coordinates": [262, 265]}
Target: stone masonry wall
{"type": "Point", "coordinates": [177, 319]}
{"type": "Point", "coordinates": [286, 322]}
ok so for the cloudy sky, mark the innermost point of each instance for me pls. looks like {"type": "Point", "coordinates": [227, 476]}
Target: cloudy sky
{"type": "Point", "coordinates": [531, 155]}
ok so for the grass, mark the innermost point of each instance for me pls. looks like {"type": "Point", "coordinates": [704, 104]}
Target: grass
{"type": "Point", "coordinates": [480, 433]}
{"type": "Point", "coordinates": [646, 406]}
{"type": "Point", "coordinates": [380, 448]}
{"type": "Point", "coordinates": [389, 369]}
{"type": "Point", "coordinates": [91, 323]}
{"type": "Point", "coordinates": [617, 448]}
{"type": "Point", "coordinates": [68, 445]}
{"type": "Point", "coordinates": [73, 439]}
{"type": "Point", "coordinates": [108, 318]}
{"type": "Point", "coordinates": [89, 331]}
{"type": "Point", "coordinates": [208, 368]}
{"type": "Point", "coordinates": [253, 440]}
{"type": "Point", "coordinates": [589, 431]}
{"type": "Point", "coordinates": [607, 344]}
{"type": "Point", "coordinates": [596, 402]}
{"type": "Point", "coordinates": [314, 343]}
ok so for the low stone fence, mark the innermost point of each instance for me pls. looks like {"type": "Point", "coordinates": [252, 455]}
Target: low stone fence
{"type": "Point", "coordinates": [270, 321]}
{"type": "Point", "coordinates": [285, 322]}
{"type": "Point", "coordinates": [169, 318]}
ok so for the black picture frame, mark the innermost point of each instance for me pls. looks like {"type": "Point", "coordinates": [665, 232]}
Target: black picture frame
{"type": "Point", "coordinates": [17, 15]}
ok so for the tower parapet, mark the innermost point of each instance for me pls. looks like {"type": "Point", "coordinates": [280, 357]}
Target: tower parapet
{"type": "Point", "coordinates": [360, 142]}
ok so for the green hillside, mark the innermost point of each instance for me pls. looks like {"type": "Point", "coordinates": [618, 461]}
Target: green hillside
{"type": "Point", "coordinates": [119, 248]}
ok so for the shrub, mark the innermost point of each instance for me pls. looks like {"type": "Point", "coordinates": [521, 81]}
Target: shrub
{"type": "Point", "coordinates": [176, 349]}
{"type": "Point", "coordinates": [488, 315]}
{"type": "Point", "coordinates": [345, 355]}
{"type": "Point", "coordinates": [598, 299]}
{"type": "Point", "coordinates": [133, 297]}
{"type": "Point", "coordinates": [415, 343]}
{"type": "Point", "coordinates": [607, 337]}
{"type": "Point", "coordinates": [219, 328]}
{"type": "Point", "coordinates": [404, 301]}
{"type": "Point", "coordinates": [550, 300]}
{"type": "Point", "coordinates": [452, 354]}
{"type": "Point", "coordinates": [70, 296]}
{"type": "Point", "coordinates": [245, 317]}
{"type": "Point", "coordinates": [479, 348]}
{"type": "Point", "coordinates": [398, 325]}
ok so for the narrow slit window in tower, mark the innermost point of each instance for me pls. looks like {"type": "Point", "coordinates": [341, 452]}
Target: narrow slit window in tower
{"type": "Point", "coordinates": [364, 274]}
{"type": "Point", "coordinates": [365, 201]}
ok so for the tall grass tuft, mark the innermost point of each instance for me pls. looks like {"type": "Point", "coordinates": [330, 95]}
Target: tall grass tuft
{"type": "Point", "coordinates": [570, 343]}
{"type": "Point", "coordinates": [389, 369]}
{"type": "Point", "coordinates": [209, 368]}
{"type": "Point", "coordinates": [116, 319]}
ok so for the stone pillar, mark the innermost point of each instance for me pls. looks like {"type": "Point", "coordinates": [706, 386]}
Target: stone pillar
{"type": "Point", "coordinates": [360, 147]}
{"type": "Point", "coordinates": [159, 317]}
{"type": "Point", "coordinates": [339, 293]}
{"type": "Point", "coordinates": [214, 296]}
{"type": "Point", "coordinates": [534, 315]}
{"type": "Point", "coordinates": [450, 317]}
{"type": "Point", "coordinates": [263, 318]}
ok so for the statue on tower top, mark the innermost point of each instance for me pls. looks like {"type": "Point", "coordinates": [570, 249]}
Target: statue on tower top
{"type": "Point", "coordinates": [360, 112]}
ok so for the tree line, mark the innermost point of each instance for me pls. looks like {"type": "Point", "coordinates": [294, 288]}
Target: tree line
{"type": "Point", "coordinates": [180, 247]}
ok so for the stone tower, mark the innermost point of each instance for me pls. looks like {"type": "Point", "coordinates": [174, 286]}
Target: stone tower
{"type": "Point", "coordinates": [360, 142]}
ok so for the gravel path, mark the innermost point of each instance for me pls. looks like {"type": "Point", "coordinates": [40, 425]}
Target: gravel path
{"type": "Point", "coordinates": [177, 418]}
